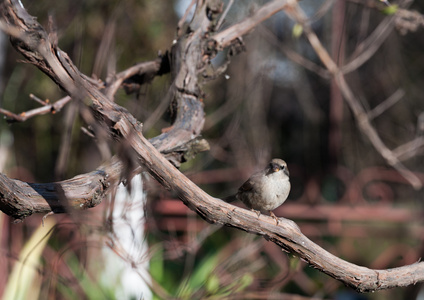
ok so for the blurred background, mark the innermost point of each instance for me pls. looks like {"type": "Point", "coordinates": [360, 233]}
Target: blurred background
{"type": "Point", "coordinates": [270, 103]}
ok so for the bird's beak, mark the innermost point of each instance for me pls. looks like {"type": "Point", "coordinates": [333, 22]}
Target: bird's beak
{"type": "Point", "coordinates": [286, 171]}
{"type": "Point", "coordinates": [273, 168]}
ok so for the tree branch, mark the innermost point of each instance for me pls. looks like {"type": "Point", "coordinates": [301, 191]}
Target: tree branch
{"type": "Point", "coordinates": [358, 111]}
{"type": "Point", "coordinates": [30, 39]}
{"type": "Point", "coordinates": [124, 126]}
{"type": "Point", "coordinates": [19, 199]}
{"type": "Point", "coordinates": [227, 36]}
{"type": "Point", "coordinates": [47, 108]}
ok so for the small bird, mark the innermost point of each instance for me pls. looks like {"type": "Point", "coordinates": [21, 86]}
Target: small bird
{"type": "Point", "coordinates": [266, 190]}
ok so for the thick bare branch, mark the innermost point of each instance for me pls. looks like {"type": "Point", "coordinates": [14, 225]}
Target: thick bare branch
{"type": "Point", "coordinates": [287, 235]}
{"type": "Point", "coordinates": [19, 199]}
{"type": "Point", "coordinates": [31, 40]}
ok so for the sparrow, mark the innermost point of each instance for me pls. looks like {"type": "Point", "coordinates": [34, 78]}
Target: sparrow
{"type": "Point", "coordinates": [267, 189]}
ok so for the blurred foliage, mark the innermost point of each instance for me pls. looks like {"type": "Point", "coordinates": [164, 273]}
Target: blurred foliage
{"type": "Point", "coordinates": [142, 29]}
{"type": "Point", "coordinates": [24, 282]}
{"type": "Point", "coordinates": [203, 274]}
{"type": "Point", "coordinates": [88, 287]}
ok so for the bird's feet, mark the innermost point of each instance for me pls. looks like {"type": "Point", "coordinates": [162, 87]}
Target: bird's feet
{"type": "Point", "coordinates": [257, 212]}
{"type": "Point", "coordinates": [274, 217]}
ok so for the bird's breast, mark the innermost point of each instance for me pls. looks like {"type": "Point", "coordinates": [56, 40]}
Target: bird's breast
{"type": "Point", "coordinates": [276, 191]}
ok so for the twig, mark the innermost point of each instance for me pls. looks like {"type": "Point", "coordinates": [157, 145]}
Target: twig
{"type": "Point", "coordinates": [293, 55]}
{"type": "Point", "coordinates": [88, 132]}
{"type": "Point", "coordinates": [225, 37]}
{"type": "Point", "coordinates": [160, 108]}
{"type": "Point", "coordinates": [105, 46]}
{"type": "Point", "coordinates": [184, 18]}
{"type": "Point", "coordinates": [360, 114]}
{"type": "Point", "coordinates": [370, 46]}
{"type": "Point", "coordinates": [366, 127]}
{"type": "Point", "coordinates": [65, 144]}
{"type": "Point", "coordinates": [149, 69]}
{"type": "Point", "coordinates": [224, 14]}
{"type": "Point", "coordinates": [389, 102]}
{"type": "Point", "coordinates": [47, 108]}
{"type": "Point", "coordinates": [410, 149]}
{"type": "Point", "coordinates": [35, 98]}
{"type": "Point", "coordinates": [287, 235]}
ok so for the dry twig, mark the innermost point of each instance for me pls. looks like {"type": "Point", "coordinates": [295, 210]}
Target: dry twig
{"type": "Point", "coordinates": [359, 112]}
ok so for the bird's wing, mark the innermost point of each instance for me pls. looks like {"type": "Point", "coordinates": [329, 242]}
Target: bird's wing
{"type": "Point", "coordinates": [248, 185]}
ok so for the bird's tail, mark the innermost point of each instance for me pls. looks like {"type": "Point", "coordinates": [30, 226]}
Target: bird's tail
{"type": "Point", "coordinates": [230, 198]}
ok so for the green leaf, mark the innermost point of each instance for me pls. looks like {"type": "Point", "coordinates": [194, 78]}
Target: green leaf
{"type": "Point", "coordinates": [212, 284]}
{"type": "Point", "coordinates": [297, 30]}
{"type": "Point", "coordinates": [390, 10]}
{"type": "Point", "coordinates": [203, 271]}
{"type": "Point", "coordinates": [157, 265]}
{"type": "Point", "coordinates": [245, 282]}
